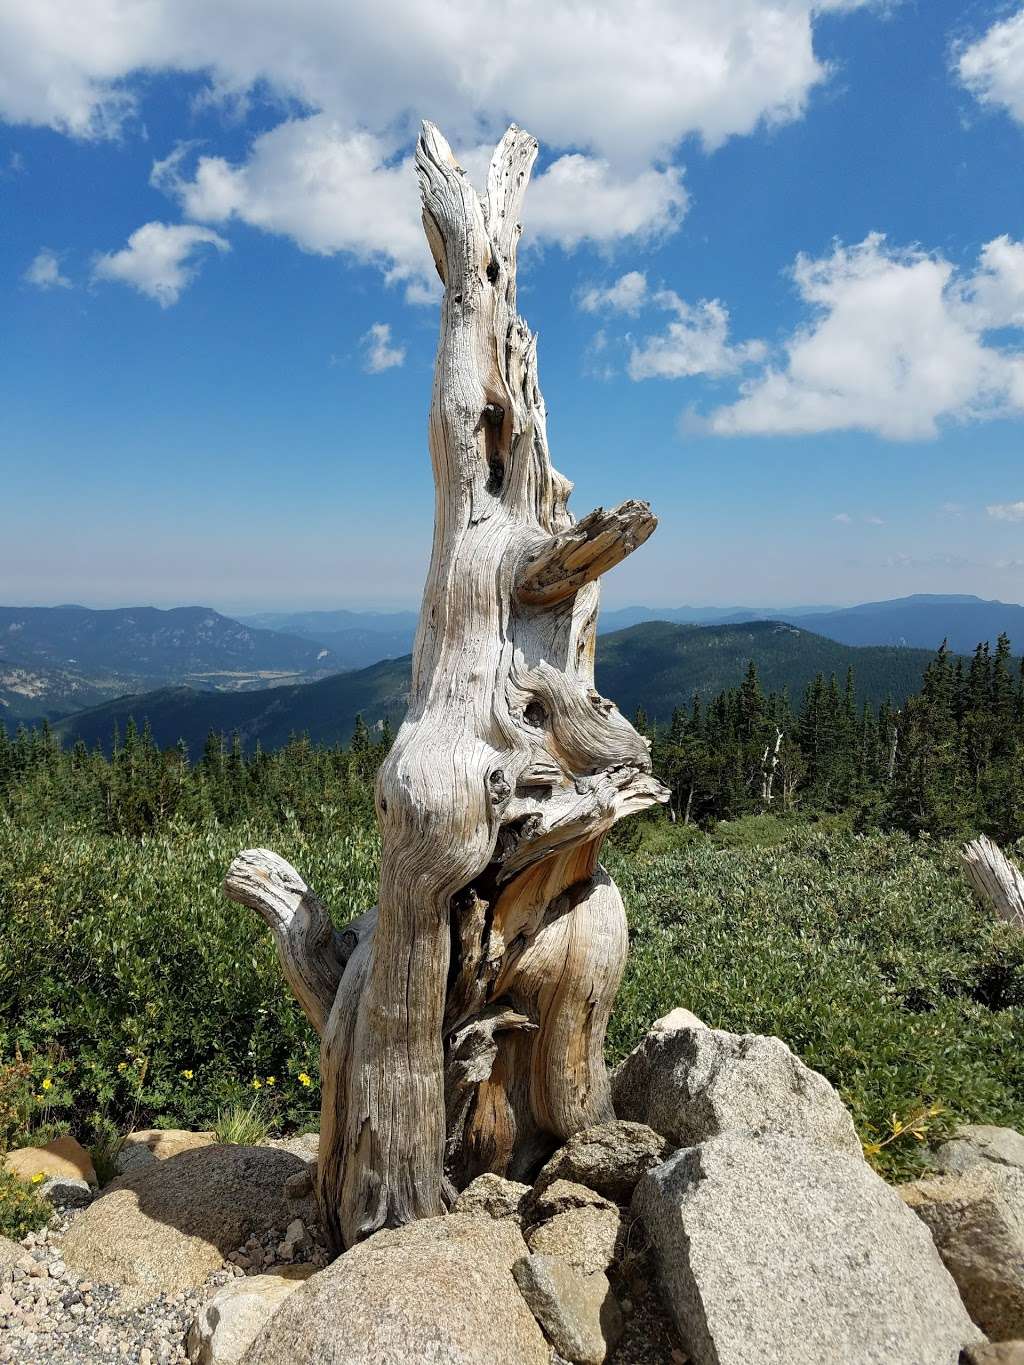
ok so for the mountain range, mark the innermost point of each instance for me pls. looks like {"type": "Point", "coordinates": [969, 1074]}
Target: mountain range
{"type": "Point", "coordinates": [922, 621]}
{"type": "Point", "coordinates": [656, 664]}
{"type": "Point", "coordinates": [55, 660]}
{"type": "Point", "coordinates": [60, 661]}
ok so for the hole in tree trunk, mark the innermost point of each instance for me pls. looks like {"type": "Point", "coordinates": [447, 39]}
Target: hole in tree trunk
{"type": "Point", "coordinates": [493, 271]}
{"type": "Point", "coordinates": [535, 715]}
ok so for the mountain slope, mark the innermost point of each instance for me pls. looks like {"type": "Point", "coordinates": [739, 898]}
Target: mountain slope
{"type": "Point", "coordinates": [657, 665]}
{"type": "Point", "coordinates": [30, 693]}
{"type": "Point", "coordinates": [922, 622]}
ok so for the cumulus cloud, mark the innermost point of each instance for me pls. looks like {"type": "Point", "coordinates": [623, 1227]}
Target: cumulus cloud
{"type": "Point", "coordinates": [844, 518]}
{"type": "Point", "coordinates": [627, 294]}
{"type": "Point", "coordinates": [627, 82]}
{"type": "Point", "coordinates": [160, 259]}
{"type": "Point", "coordinates": [332, 191]}
{"type": "Point", "coordinates": [45, 271]}
{"type": "Point", "coordinates": [695, 342]}
{"type": "Point", "coordinates": [378, 352]}
{"type": "Point", "coordinates": [1006, 511]}
{"type": "Point", "coordinates": [896, 343]}
{"type": "Point", "coordinates": [992, 68]}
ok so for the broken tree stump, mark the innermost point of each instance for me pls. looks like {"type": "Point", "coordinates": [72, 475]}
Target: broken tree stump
{"type": "Point", "coordinates": [463, 1020]}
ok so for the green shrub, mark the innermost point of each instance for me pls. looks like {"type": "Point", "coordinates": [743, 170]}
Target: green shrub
{"type": "Point", "coordinates": [866, 954]}
{"type": "Point", "coordinates": [147, 999]}
{"type": "Point", "coordinates": [22, 1209]}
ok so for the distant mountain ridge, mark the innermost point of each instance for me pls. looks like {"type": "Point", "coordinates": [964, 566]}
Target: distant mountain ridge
{"type": "Point", "coordinates": [57, 659]}
{"type": "Point", "coordinates": [656, 664]}
{"type": "Point", "coordinates": [923, 621]}
{"type": "Point", "coordinates": [920, 621]}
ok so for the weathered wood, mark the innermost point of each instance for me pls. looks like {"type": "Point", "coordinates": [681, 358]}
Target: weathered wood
{"type": "Point", "coordinates": [467, 1028]}
{"type": "Point", "coordinates": [995, 879]}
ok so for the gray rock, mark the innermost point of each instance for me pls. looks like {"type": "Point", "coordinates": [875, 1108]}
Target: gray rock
{"type": "Point", "coordinates": [578, 1313]}
{"type": "Point", "coordinates": [995, 1353]}
{"type": "Point", "coordinates": [586, 1237]}
{"type": "Point", "coordinates": [300, 1185]}
{"type": "Point", "coordinates": [977, 1221]}
{"type": "Point", "coordinates": [166, 1227]}
{"type": "Point", "coordinates": [146, 1145]}
{"type": "Point", "coordinates": [777, 1249]}
{"type": "Point", "coordinates": [609, 1158]}
{"type": "Point", "coordinates": [64, 1192]}
{"type": "Point", "coordinates": [231, 1320]}
{"type": "Point", "coordinates": [438, 1291]}
{"type": "Point", "coordinates": [10, 1254]}
{"type": "Point", "coordinates": [976, 1142]}
{"type": "Point", "coordinates": [493, 1197]}
{"type": "Point", "coordinates": [558, 1197]}
{"type": "Point", "coordinates": [695, 1084]}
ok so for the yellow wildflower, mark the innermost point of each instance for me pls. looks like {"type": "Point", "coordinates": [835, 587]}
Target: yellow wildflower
{"type": "Point", "coordinates": [271, 1080]}
{"type": "Point", "coordinates": [122, 1066]}
{"type": "Point", "coordinates": [257, 1084]}
{"type": "Point", "coordinates": [38, 1178]}
{"type": "Point", "coordinates": [47, 1084]}
{"type": "Point", "coordinates": [304, 1079]}
{"type": "Point", "coordinates": [188, 1074]}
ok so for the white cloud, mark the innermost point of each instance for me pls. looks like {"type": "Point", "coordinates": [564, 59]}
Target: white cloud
{"type": "Point", "coordinates": [627, 295]}
{"type": "Point", "coordinates": [1006, 511]}
{"type": "Point", "coordinates": [45, 271]}
{"type": "Point", "coordinates": [843, 517]}
{"type": "Point", "coordinates": [332, 191]}
{"type": "Point", "coordinates": [581, 198]}
{"type": "Point", "coordinates": [896, 343]}
{"type": "Point", "coordinates": [626, 82]}
{"type": "Point", "coordinates": [159, 260]}
{"type": "Point", "coordinates": [378, 350]}
{"type": "Point", "coordinates": [327, 189]}
{"type": "Point", "coordinates": [993, 67]}
{"type": "Point", "coordinates": [695, 342]}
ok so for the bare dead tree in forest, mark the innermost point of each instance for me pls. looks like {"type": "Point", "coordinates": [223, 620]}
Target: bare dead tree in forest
{"type": "Point", "coordinates": [462, 1020]}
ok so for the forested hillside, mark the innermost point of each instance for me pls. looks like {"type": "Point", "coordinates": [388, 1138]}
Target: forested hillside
{"type": "Point", "coordinates": [656, 665]}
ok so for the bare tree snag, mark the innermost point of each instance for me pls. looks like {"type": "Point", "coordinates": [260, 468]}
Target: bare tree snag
{"type": "Point", "coordinates": [465, 1031]}
{"type": "Point", "coordinates": [995, 879]}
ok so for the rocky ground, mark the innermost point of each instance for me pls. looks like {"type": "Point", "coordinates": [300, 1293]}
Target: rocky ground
{"type": "Point", "coordinates": [727, 1216]}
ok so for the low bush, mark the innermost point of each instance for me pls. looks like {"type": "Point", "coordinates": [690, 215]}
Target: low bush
{"type": "Point", "coordinates": [143, 996]}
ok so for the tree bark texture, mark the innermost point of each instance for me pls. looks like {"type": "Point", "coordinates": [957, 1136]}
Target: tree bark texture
{"type": "Point", "coordinates": [995, 879]}
{"type": "Point", "coordinates": [463, 1020]}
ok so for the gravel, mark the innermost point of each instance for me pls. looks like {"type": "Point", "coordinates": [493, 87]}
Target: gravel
{"type": "Point", "coordinates": [48, 1314]}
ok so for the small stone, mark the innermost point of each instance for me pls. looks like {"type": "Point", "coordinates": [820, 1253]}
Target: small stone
{"type": "Point", "coordinates": [77, 1310]}
{"type": "Point", "coordinates": [145, 1356]}
{"type": "Point", "coordinates": [977, 1222]}
{"type": "Point", "coordinates": [609, 1158]}
{"type": "Point", "coordinates": [577, 1313]}
{"type": "Point", "coordinates": [586, 1238]}
{"type": "Point", "coordinates": [39, 1270]}
{"type": "Point", "coordinates": [300, 1185]}
{"type": "Point", "coordinates": [493, 1197]}
{"type": "Point", "coordinates": [65, 1192]}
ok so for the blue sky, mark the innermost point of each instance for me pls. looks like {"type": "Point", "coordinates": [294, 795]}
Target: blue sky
{"type": "Point", "coordinates": [773, 250]}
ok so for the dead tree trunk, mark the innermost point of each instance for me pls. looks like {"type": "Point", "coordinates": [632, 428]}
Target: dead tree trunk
{"type": "Point", "coordinates": [996, 881]}
{"type": "Point", "coordinates": [463, 1020]}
